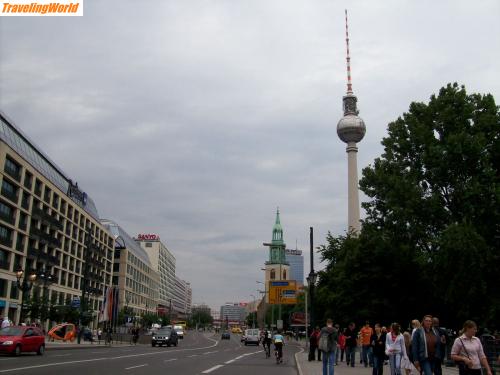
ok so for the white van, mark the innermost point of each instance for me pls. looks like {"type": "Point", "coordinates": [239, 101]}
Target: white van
{"type": "Point", "coordinates": [252, 336]}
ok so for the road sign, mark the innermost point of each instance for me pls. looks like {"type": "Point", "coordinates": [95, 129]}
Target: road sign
{"type": "Point", "coordinates": [283, 292]}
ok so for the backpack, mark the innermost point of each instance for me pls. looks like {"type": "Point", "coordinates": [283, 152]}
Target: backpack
{"type": "Point", "coordinates": [326, 341]}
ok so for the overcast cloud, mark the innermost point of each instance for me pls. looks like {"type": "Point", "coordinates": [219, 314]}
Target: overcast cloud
{"type": "Point", "coordinates": [196, 119]}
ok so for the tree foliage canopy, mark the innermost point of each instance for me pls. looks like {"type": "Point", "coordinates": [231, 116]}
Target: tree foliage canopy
{"type": "Point", "coordinates": [431, 237]}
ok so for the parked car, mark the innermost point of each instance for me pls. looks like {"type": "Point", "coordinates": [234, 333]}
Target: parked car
{"type": "Point", "coordinates": [252, 336]}
{"type": "Point", "coordinates": [242, 339]}
{"type": "Point", "coordinates": [165, 336]}
{"type": "Point", "coordinates": [18, 339]}
{"type": "Point", "coordinates": [225, 336]}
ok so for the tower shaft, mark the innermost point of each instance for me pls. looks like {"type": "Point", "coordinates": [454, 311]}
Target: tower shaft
{"type": "Point", "coordinates": [354, 225]}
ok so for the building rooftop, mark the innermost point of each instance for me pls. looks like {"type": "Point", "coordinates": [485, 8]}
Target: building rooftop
{"type": "Point", "coordinates": [122, 239]}
{"type": "Point", "coordinates": [28, 150]}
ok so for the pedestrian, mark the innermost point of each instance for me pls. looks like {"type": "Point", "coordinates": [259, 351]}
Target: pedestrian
{"type": "Point", "coordinates": [99, 334]}
{"type": "Point", "coordinates": [426, 347]}
{"type": "Point", "coordinates": [377, 342]}
{"type": "Point", "coordinates": [328, 345]}
{"type": "Point", "coordinates": [341, 346]}
{"type": "Point", "coordinates": [5, 322]}
{"type": "Point", "coordinates": [313, 344]}
{"type": "Point", "coordinates": [365, 335]}
{"type": "Point", "coordinates": [415, 324]}
{"type": "Point", "coordinates": [350, 344]}
{"type": "Point", "coordinates": [395, 348]}
{"type": "Point", "coordinates": [442, 344]}
{"type": "Point", "coordinates": [468, 351]}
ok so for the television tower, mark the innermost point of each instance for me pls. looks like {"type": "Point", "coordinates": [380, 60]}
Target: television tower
{"type": "Point", "coordinates": [351, 129]}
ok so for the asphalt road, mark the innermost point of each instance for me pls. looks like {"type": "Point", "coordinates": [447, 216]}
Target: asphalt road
{"type": "Point", "coordinates": [196, 354]}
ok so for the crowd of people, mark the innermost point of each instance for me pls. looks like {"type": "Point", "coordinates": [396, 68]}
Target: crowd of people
{"type": "Point", "coordinates": [421, 349]}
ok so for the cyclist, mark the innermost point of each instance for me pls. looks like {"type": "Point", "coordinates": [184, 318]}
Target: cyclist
{"type": "Point", "coordinates": [266, 342]}
{"type": "Point", "coordinates": [279, 341]}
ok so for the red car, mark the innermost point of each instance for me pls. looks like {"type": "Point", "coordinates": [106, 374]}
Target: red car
{"type": "Point", "coordinates": [18, 339]}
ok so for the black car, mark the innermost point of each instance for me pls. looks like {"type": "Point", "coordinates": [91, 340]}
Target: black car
{"type": "Point", "coordinates": [164, 336]}
{"type": "Point", "coordinates": [225, 336]}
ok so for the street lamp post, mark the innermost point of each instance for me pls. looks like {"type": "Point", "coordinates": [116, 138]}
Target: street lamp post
{"type": "Point", "coordinates": [311, 279]}
{"type": "Point", "coordinates": [24, 285]}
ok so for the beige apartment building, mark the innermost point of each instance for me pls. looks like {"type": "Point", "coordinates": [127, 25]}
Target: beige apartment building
{"type": "Point", "coordinates": [138, 282]}
{"type": "Point", "coordinates": [49, 230]}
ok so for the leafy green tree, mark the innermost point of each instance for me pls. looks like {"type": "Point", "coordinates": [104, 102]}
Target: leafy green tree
{"type": "Point", "coordinates": [200, 317]}
{"type": "Point", "coordinates": [433, 216]}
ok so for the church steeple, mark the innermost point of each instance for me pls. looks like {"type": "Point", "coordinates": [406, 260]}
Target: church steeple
{"type": "Point", "coordinates": [277, 245]}
{"type": "Point", "coordinates": [277, 230]}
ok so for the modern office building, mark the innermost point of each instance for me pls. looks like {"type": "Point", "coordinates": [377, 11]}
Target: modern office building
{"type": "Point", "coordinates": [138, 282]}
{"type": "Point", "coordinates": [233, 312]}
{"type": "Point", "coordinates": [296, 261]}
{"type": "Point", "coordinates": [163, 261]}
{"type": "Point", "coordinates": [50, 233]}
{"type": "Point", "coordinates": [181, 303]}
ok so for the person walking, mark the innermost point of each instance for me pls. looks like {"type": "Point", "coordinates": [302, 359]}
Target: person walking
{"type": "Point", "coordinates": [340, 346]}
{"type": "Point", "coordinates": [328, 338]}
{"type": "Point", "coordinates": [377, 342]}
{"type": "Point", "coordinates": [415, 324]}
{"type": "Point", "coordinates": [313, 344]}
{"type": "Point", "coordinates": [441, 343]}
{"type": "Point", "coordinates": [395, 348]}
{"type": "Point", "coordinates": [5, 322]}
{"type": "Point", "coordinates": [426, 347]}
{"type": "Point", "coordinates": [468, 351]}
{"type": "Point", "coordinates": [351, 336]}
{"type": "Point", "coordinates": [365, 335]}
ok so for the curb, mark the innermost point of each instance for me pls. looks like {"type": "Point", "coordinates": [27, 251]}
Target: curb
{"type": "Point", "coordinates": [297, 362]}
{"type": "Point", "coordinates": [81, 347]}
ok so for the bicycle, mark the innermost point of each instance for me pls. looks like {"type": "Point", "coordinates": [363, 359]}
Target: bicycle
{"type": "Point", "coordinates": [278, 352]}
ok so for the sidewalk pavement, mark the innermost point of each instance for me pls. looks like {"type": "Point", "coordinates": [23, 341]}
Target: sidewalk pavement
{"type": "Point", "coordinates": [305, 367]}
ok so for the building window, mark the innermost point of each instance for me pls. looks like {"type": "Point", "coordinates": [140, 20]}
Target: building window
{"type": "Point", "coordinates": [7, 213]}
{"type": "Point", "coordinates": [38, 187]}
{"type": "Point", "coordinates": [149, 244]}
{"type": "Point", "coordinates": [46, 196]}
{"type": "Point", "coordinates": [12, 168]}
{"type": "Point", "coordinates": [9, 190]}
{"type": "Point", "coordinates": [272, 275]}
{"type": "Point", "coordinates": [284, 274]}
{"type": "Point", "coordinates": [20, 242]}
{"type": "Point", "coordinates": [5, 236]}
{"type": "Point", "coordinates": [4, 260]}
{"type": "Point", "coordinates": [25, 201]}
{"type": "Point", "coordinates": [28, 180]}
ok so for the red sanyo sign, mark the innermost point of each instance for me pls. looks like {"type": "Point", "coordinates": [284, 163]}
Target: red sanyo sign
{"type": "Point", "coordinates": [148, 237]}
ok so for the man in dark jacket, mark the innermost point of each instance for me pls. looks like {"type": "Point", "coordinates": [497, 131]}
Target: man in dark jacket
{"type": "Point", "coordinates": [377, 342]}
{"type": "Point", "coordinates": [426, 348]}
{"type": "Point", "coordinates": [329, 336]}
{"type": "Point", "coordinates": [351, 337]}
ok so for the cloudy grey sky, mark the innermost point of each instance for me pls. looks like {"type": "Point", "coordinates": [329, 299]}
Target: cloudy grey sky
{"type": "Point", "coordinates": [196, 119]}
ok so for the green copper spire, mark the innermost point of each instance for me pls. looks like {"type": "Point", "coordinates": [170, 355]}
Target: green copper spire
{"type": "Point", "coordinates": [277, 230]}
{"type": "Point", "coordinates": [277, 245]}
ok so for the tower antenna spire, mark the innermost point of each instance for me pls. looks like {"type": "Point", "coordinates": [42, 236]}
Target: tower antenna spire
{"type": "Point", "coordinates": [348, 57]}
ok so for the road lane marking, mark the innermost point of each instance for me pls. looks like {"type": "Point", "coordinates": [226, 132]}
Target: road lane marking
{"type": "Point", "coordinates": [210, 352]}
{"type": "Point", "coordinates": [193, 355]}
{"type": "Point", "coordinates": [170, 360]}
{"type": "Point", "coordinates": [129, 368]}
{"type": "Point", "coordinates": [212, 369]}
{"type": "Point", "coordinates": [105, 358]}
{"type": "Point", "coordinates": [230, 361]}
{"type": "Point", "coordinates": [61, 355]}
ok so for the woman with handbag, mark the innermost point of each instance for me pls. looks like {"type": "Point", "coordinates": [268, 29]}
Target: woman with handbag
{"type": "Point", "coordinates": [468, 351]}
{"type": "Point", "coordinates": [395, 348]}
